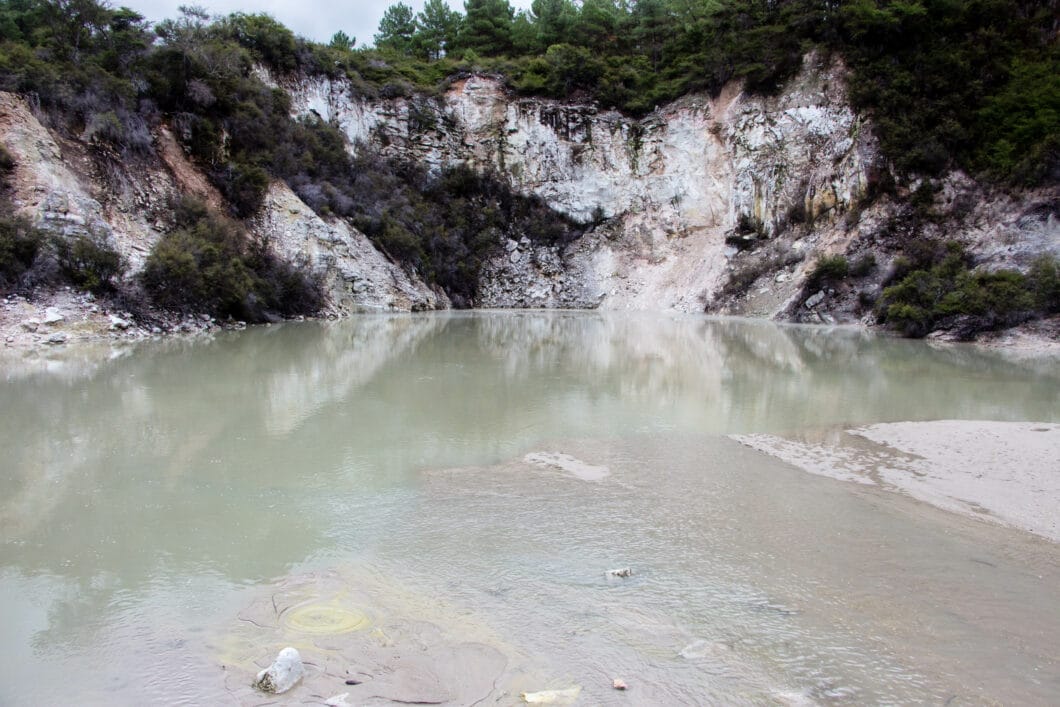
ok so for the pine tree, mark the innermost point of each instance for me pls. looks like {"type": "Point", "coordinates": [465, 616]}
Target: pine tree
{"type": "Point", "coordinates": [487, 27]}
{"type": "Point", "coordinates": [396, 29]}
{"type": "Point", "coordinates": [554, 20]}
{"type": "Point", "coordinates": [341, 40]}
{"type": "Point", "coordinates": [437, 29]}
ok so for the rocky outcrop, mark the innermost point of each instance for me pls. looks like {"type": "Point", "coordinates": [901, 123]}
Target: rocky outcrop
{"type": "Point", "coordinates": [671, 200]}
{"type": "Point", "coordinates": [667, 190]}
{"type": "Point", "coordinates": [356, 276]}
{"type": "Point", "coordinates": [45, 185]}
{"type": "Point", "coordinates": [70, 189]}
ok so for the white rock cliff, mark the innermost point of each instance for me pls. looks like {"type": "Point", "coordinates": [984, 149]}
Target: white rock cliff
{"type": "Point", "coordinates": [59, 185]}
{"type": "Point", "coordinates": [669, 188]}
{"type": "Point", "coordinates": [664, 193]}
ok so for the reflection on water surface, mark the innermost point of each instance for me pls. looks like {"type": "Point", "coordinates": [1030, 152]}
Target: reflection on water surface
{"type": "Point", "coordinates": [148, 498]}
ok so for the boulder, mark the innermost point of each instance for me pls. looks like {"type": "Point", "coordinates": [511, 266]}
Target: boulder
{"type": "Point", "coordinates": [53, 316]}
{"type": "Point", "coordinates": [815, 299]}
{"type": "Point", "coordinates": [117, 322]}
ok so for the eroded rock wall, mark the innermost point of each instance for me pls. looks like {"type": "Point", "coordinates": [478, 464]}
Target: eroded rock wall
{"type": "Point", "coordinates": [666, 190]}
{"type": "Point", "coordinates": [68, 189]}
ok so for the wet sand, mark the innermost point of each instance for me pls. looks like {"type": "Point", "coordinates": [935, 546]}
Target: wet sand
{"type": "Point", "coordinates": [1004, 472]}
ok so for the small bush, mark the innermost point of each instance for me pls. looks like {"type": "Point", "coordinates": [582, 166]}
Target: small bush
{"type": "Point", "coordinates": [828, 269]}
{"type": "Point", "coordinates": [88, 261]}
{"type": "Point", "coordinates": [244, 186]}
{"type": "Point", "coordinates": [20, 243]}
{"type": "Point", "coordinates": [207, 263]}
{"type": "Point", "coordinates": [948, 291]}
{"type": "Point", "coordinates": [1044, 277]}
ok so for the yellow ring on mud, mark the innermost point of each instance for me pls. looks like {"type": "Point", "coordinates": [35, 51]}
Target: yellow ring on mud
{"type": "Point", "coordinates": [322, 619]}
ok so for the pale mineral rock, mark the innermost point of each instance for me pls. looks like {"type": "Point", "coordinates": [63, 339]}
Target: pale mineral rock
{"type": "Point", "coordinates": [815, 299]}
{"type": "Point", "coordinates": [117, 322]}
{"type": "Point", "coordinates": [53, 316]}
{"type": "Point", "coordinates": [552, 697]}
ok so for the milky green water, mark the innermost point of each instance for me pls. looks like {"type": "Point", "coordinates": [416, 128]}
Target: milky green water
{"type": "Point", "coordinates": [149, 496]}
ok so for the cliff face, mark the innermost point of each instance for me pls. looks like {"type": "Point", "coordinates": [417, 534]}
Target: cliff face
{"type": "Point", "coordinates": [63, 186]}
{"type": "Point", "coordinates": [666, 190]}
{"type": "Point", "coordinates": [673, 198]}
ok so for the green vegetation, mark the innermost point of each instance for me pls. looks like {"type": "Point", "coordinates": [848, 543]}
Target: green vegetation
{"type": "Point", "coordinates": [942, 290]}
{"type": "Point", "coordinates": [20, 242]}
{"type": "Point", "coordinates": [827, 270]}
{"type": "Point", "coordinates": [208, 263]}
{"type": "Point", "coordinates": [446, 224]}
{"type": "Point", "coordinates": [974, 83]}
{"type": "Point", "coordinates": [197, 75]}
{"type": "Point", "coordinates": [88, 261]}
{"type": "Point", "coordinates": [970, 83]}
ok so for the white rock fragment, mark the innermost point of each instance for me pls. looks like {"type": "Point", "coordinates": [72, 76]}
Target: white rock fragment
{"type": "Point", "coordinates": [117, 322]}
{"type": "Point", "coordinates": [283, 674]}
{"type": "Point", "coordinates": [338, 700]}
{"type": "Point", "coordinates": [53, 316]}
{"type": "Point", "coordinates": [552, 697]}
{"type": "Point", "coordinates": [58, 337]}
{"type": "Point", "coordinates": [815, 299]}
{"type": "Point", "coordinates": [619, 684]}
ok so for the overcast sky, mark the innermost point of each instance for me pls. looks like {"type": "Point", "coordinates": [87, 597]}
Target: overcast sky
{"type": "Point", "coordinates": [314, 19]}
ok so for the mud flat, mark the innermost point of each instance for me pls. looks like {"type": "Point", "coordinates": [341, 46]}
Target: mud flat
{"type": "Point", "coordinates": [1004, 472]}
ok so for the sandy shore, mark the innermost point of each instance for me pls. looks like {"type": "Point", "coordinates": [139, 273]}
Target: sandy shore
{"type": "Point", "coordinates": [1004, 472]}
